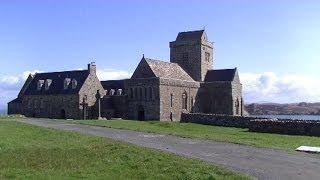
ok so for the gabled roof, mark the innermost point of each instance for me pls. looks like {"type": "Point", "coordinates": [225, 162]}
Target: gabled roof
{"type": "Point", "coordinates": [57, 83]}
{"type": "Point", "coordinates": [221, 75]}
{"type": "Point", "coordinates": [190, 35]}
{"type": "Point", "coordinates": [160, 69]}
{"type": "Point", "coordinates": [25, 85]}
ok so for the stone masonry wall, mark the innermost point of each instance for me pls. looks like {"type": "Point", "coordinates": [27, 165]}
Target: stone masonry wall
{"type": "Point", "coordinates": [237, 100]}
{"type": "Point", "coordinates": [191, 56]}
{"type": "Point", "coordinates": [89, 89]}
{"type": "Point", "coordinates": [89, 92]}
{"type": "Point", "coordinates": [14, 108]}
{"type": "Point", "coordinates": [280, 126]}
{"type": "Point", "coordinates": [140, 98]}
{"type": "Point", "coordinates": [113, 106]}
{"type": "Point", "coordinates": [294, 127]}
{"type": "Point", "coordinates": [217, 120]}
{"type": "Point", "coordinates": [51, 106]}
{"type": "Point", "coordinates": [216, 98]}
{"type": "Point", "coordinates": [175, 89]}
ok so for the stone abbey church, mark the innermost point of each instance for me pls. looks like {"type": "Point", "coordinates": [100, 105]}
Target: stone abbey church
{"type": "Point", "coordinates": [157, 90]}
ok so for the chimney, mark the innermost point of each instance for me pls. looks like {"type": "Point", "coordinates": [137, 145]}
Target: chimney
{"type": "Point", "coordinates": [92, 68]}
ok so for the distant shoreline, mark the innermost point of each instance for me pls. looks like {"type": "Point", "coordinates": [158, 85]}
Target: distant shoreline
{"type": "Point", "coordinates": [302, 108]}
{"type": "Point", "coordinates": [292, 117]}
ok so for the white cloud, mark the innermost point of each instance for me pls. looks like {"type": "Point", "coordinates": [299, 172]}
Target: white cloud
{"type": "Point", "coordinates": [270, 87]}
{"type": "Point", "coordinates": [112, 74]}
{"type": "Point", "coordinates": [10, 86]}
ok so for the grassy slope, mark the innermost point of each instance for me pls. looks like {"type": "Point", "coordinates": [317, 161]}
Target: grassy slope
{"type": "Point", "coordinates": [226, 134]}
{"type": "Point", "coordinates": [29, 152]}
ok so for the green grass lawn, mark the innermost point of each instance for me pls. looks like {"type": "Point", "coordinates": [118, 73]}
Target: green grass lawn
{"type": "Point", "coordinates": [30, 152]}
{"type": "Point", "coordinates": [225, 134]}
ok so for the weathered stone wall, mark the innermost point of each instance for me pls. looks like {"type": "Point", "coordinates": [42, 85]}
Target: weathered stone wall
{"type": "Point", "coordinates": [206, 64]}
{"type": "Point", "coordinates": [294, 127]}
{"type": "Point", "coordinates": [89, 93]}
{"type": "Point", "coordinates": [64, 105]}
{"type": "Point", "coordinates": [14, 108]}
{"type": "Point", "coordinates": [280, 126]}
{"type": "Point", "coordinates": [175, 89]}
{"type": "Point", "coordinates": [237, 100]}
{"type": "Point", "coordinates": [143, 96]}
{"type": "Point", "coordinates": [217, 120]}
{"type": "Point", "coordinates": [89, 90]}
{"type": "Point", "coordinates": [216, 98]}
{"type": "Point", "coordinates": [221, 98]}
{"type": "Point", "coordinates": [113, 106]}
{"type": "Point", "coordinates": [51, 106]}
{"type": "Point", "coordinates": [191, 56]}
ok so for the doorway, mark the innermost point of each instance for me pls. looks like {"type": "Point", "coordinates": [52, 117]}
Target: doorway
{"type": "Point", "coordinates": [63, 114]}
{"type": "Point", "coordinates": [141, 114]}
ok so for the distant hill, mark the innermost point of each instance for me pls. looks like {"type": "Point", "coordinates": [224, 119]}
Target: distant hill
{"type": "Point", "coordinates": [284, 109]}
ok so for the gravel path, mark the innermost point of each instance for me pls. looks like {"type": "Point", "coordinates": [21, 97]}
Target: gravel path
{"type": "Point", "coordinates": [257, 162]}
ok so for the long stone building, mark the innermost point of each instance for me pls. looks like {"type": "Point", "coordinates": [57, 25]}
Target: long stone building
{"type": "Point", "coordinates": [157, 90]}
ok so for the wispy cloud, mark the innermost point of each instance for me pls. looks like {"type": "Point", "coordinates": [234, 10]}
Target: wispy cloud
{"type": "Point", "coordinates": [10, 86]}
{"type": "Point", "coordinates": [112, 74]}
{"type": "Point", "coordinates": [271, 87]}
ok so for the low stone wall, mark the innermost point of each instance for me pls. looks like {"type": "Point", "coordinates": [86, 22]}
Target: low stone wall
{"type": "Point", "coordinates": [217, 120]}
{"type": "Point", "coordinates": [283, 126]}
{"type": "Point", "coordinates": [279, 126]}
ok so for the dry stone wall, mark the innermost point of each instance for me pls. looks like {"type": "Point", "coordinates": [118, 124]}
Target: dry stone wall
{"type": "Point", "coordinates": [294, 127]}
{"type": "Point", "coordinates": [279, 126]}
{"type": "Point", "coordinates": [217, 120]}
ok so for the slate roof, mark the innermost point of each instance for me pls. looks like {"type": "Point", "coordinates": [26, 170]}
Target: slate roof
{"type": "Point", "coordinates": [220, 75]}
{"type": "Point", "coordinates": [57, 84]}
{"type": "Point", "coordinates": [16, 100]}
{"type": "Point", "coordinates": [190, 35]}
{"type": "Point", "coordinates": [168, 70]}
{"type": "Point", "coordinates": [113, 84]}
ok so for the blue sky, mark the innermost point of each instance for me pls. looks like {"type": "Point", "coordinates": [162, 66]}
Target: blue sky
{"type": "Point", "coordinates": [275, 45]}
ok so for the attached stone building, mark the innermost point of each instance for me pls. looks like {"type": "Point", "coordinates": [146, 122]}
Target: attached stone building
{"type": "Point", "coordinates": [157, 90]}
{"type": "Point", "coordinates": [68, 94]}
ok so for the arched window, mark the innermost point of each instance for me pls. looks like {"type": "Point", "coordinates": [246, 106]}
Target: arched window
{"type": "Point", "coordinates": [35, 103]}
{"type": "Point", "coordinates": [145, 93]}
{"type": "Point", "coordinates": [150, 92]}
{"type": "Point", "coordinates": [140, 89]}
{"type": "Point", "coordinates": [237, 104]}
{"type": "Point", "coordinates": [135, 93]}
{"type": "Point", "coordinates": [131, 93]}
{"type": "Point", "coordinates": [241, 106]}
{"type": "Point", "coordinates": [29, 103]}
{"type": "Point", "coordinates": [191, 106]}
{"type": "Point", "coordinates": [184, 101]}
{"type": "Point", "coordinates": [41, 104]}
